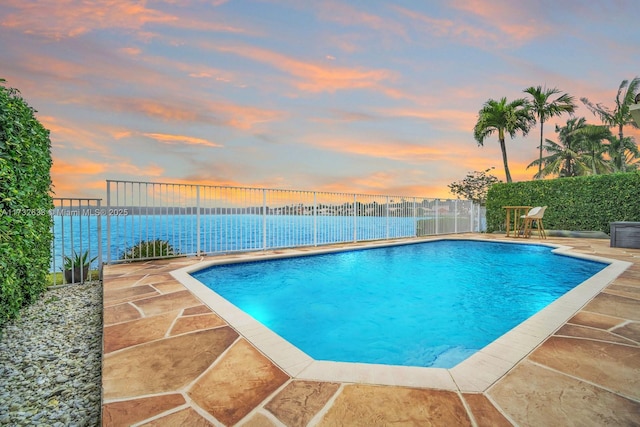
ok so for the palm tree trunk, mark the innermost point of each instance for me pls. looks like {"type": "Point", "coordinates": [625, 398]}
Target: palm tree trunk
{"type": "Point", "coordinates": [503, 148]}
{"type": "Point", "coordinates": [623, 163]}
{"type": "Point", "coordinates": [540, 164]}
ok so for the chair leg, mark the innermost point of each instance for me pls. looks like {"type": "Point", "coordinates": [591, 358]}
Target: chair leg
{"type": "Point", "coordinates": [541, 231]}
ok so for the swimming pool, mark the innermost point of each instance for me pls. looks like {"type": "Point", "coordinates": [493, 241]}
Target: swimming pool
{"type": "Point", "coordinates": [429, 304]}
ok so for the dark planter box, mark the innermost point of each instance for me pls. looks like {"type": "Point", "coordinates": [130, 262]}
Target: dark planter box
{"type": "Point", "coordinates": [625, 234]}
{"type": "Point", "coordinates": [75, 275]}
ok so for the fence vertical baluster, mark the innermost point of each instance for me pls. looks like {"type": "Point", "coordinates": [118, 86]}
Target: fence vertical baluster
{"type": "Point", "coordinates": [197, 220]}
{"type": "Point", "coordinates": [264, 219]}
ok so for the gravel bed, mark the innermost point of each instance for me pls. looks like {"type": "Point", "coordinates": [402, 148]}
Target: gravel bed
{"type": "Point", "coordinates": [50, 360]}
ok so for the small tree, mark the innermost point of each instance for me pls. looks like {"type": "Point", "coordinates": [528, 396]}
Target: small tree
{"type": "Point", "coordinates": [474, 186]}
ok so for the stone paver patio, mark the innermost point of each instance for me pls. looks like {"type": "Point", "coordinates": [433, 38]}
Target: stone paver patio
{"type": "Point", "coordinates": [170, 360]}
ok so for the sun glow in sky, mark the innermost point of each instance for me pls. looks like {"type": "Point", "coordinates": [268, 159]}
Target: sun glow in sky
{"type": "Point", "coordinates": [351, 96]}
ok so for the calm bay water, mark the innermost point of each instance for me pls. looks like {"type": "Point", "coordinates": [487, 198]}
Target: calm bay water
{"type": "Point", "coordinates": [218, 233]}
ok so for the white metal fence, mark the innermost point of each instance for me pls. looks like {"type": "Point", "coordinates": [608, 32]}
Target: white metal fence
{"type": "Point", "coordinates": [202, 219]}
{"type": "Point", "coordinates": [77, 243]}
{"type": "Point", "coordinates": [143, 220]}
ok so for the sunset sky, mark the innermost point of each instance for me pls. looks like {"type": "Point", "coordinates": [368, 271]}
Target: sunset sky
{"type": "Point", "coordinates": [348, 96]}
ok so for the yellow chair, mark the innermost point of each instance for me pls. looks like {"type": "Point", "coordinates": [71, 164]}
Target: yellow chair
{"type": "Point", "coordinates": [531, 218]}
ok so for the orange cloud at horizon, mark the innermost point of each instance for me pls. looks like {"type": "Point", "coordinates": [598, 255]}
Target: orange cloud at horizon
{"type": "Point", "coordinates": [388, 150]}
{"type": "Point", "coordinates": [450, 119]}
{"type": "Point", "coordinates": [78, 176]}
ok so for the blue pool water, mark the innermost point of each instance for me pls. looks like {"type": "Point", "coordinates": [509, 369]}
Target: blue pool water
{"type": "Point", "coordinates": [429, 304]}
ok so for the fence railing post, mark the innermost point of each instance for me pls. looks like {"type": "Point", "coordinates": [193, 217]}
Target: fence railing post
{"type": "Point", "coordinates": [197, 220]}
{"type": "Point", "coordinates": [355, 219]}
{"type": "Point", "coordinates": [415, 217]}
{"type": "Point", "coordinates": [315, 219]}
{"type": "Point", "coordinates": [455, 216]}
{"type": "Point", "coordinates": [386, 214]}
{"type": "Point", "coordinates": [108, 209]}
{"type": "Point", "coordinates": [264, 219]}
{"type": "Point", "coordinates": [99, 230]}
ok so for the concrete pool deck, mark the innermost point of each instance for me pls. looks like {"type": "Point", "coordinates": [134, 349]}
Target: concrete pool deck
{"type": "Point", "coordinates": [168, 359]}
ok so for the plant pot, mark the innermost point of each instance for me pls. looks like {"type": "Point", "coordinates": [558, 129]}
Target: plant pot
{"type": "Point", "coordinates": [76, 275]}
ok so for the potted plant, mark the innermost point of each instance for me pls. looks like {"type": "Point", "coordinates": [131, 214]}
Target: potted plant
{"type": "Point", "coordinates": [76, 267]}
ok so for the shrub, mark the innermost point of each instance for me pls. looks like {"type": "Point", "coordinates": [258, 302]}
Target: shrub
{"type": "Point", "coordinates": [149, 249]}
{"type": "Point", "coordinates": [587, 203]}
{"type": "Point", "coordinates": [25, 203]}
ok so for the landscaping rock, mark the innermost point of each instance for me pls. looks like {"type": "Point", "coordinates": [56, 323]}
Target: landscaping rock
{"type": "Point", "coordinates": [50, 360]}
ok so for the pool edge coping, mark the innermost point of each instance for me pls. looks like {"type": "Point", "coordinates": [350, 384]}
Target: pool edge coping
{"type": "Point", "coordinates": [475, 374]}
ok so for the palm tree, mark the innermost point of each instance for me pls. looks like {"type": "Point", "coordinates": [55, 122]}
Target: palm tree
{"type": "Point", "coordinates": [623, 155]}
{"type": "Point", "coordinates": [590, 141]}
{"type": "Point", "coordinates": [621, 115]}
{"type": "Point", "coordinates": [543, 108]}
{"type": "Point", "coordinates": [566, 157]}
{"type": "Point", "coordinates": [502, 117]}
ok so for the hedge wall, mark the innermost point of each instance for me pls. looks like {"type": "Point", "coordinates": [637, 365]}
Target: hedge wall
{"type": "Point", "coordinates": [25, 203]}
{"type": "Point", "coordinates": [586, 203]}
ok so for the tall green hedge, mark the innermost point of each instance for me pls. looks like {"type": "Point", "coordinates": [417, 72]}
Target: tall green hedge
{"type": "Point", "coordinates": [25, 204]}
{"type": "Point", "coordinates": [587, 203]}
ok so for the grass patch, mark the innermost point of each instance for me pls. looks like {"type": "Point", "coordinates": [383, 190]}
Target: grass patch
{"type": "Point", "coordinates": [57, 278]}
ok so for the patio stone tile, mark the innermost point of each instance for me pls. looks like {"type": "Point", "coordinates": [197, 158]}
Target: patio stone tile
{"type": "Point", "coordinates": [168, 302]}
{"type": "Point", "coordinates": [195, 323]}
{"type": "Point", "coordinates": [484, 412]}
{"type": "Point", "coordinates": [169, 286]}
{"type": "Point", "coordinates": [133, 411]}
{"type": "Point", "coordinates": [199, 309]}
{"type": "Point", "coordinates": [161, 269]}
{"type": "Point", "coordinates": [614, 305]}
{"type": "Point", "coordinates": [116, 296]}
{"type": "Point", "coordinates": [595, 334]}
{"type": "Point", "coordinates": [624, 291]}
{"type": "Point", "coordinates": [300, 401]}
{"type": "Point", "coordinates": [535, 396]}
{"type": "Point", "coordinates": [595, 320]}
{"type": "Point", "coordinates": [239, 382]}
{"type": "Point", "coordinates": [632, 273]}
{"type": "Point", "coordinates": [164, 365]}
{"type": "Point", "coordinates": [630, 330]}
{"type": "Point", "coordinates": [122, 281]}
{"type": "Point", "coordinates": [127, 334]}
{"type": "Point", "coordinates": [613, 366]}
{"type": "Point", "coordinates": [119, 313]}
{"type": "Point", "coordinates": [187, 417]}
{"type": "Point", "coordinates": [152, 279]}
{"type": "Point", "coordinates": [370, 405]}
{"type": "Point", "coordinates": [124, 268]}
{"type": "Point", "coordinates": [258, 420]}
{"type": "Point", "coordinates": [628, 281]}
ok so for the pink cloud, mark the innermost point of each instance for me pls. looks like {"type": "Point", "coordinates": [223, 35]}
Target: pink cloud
{"type": "Point", "coordinates": [312, 77]}
{"type": "Point", "coordinates": [58, 19]}
{"type": "Point", "coordinates": [180, 139]}
{"type": "Point", "coordinates": [506, 19]}
{"type": "Point", "coordinates": [348, 15]}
